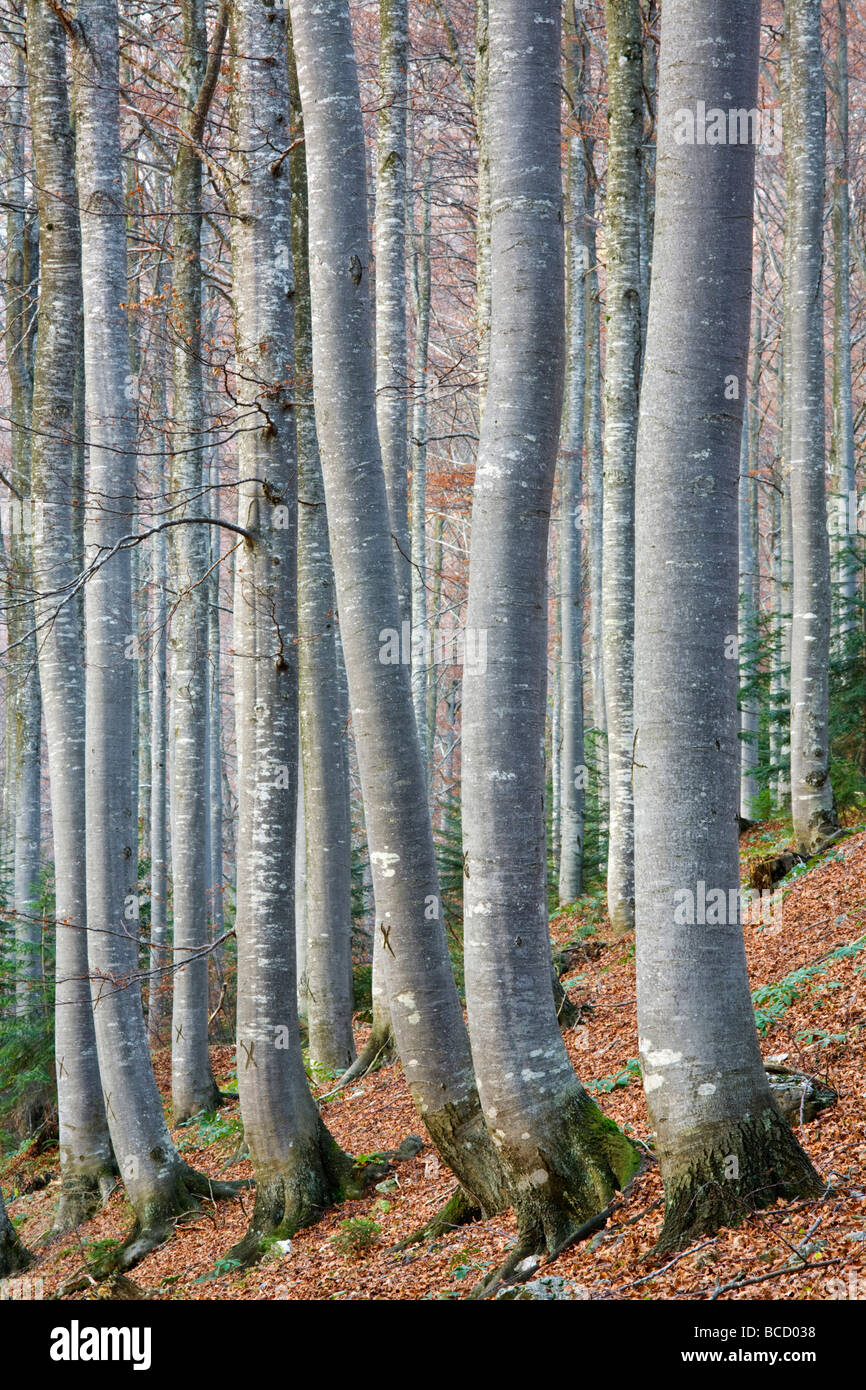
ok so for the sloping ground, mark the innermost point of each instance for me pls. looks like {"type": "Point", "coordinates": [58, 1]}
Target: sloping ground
{"type": "Point", "coordinates": [812, 1011]}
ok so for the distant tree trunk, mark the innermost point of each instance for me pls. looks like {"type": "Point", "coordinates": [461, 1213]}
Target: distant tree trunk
{"type": "Point", "coordinates": [159, 978]}
{"type": "Point", "coordinates": [621, 386]}
{"type": "Point", "coordinates": [13, 1257]}
{"type": "Point", "coordinates": [23, 751]}
{"type": "Point", "coordinates": [848, 566]}
{"type": "Point", "coordinates": [813, 807]}
{"type": "Point", "coordinates": [214, 810]}
{"type": "Point", "coordinates": [428, 1022]}
{"type": "Point", "coordinates": [594, 482]}
{"type": "Point", "coordinates": [86, 1163]}
{"type": "Point", "coordinates": [392, 372]}
{"type": "Point", "coordinates": [572, 781]}
{"type": "Point", "coordinates": [192, 1084]}
{"type": "Point", "coordinates": [158, 1183]}
{"type": "Point", "coordinates": [299, 1168]}
{"type": "Point", "coordinates": [563, 1160]}
{"type": "Point", "coordinates": [323, 702]}
{"type": "Point", "coordinates": [722, 1146]}
{"type": "Point", "coordinates": [421, 285]}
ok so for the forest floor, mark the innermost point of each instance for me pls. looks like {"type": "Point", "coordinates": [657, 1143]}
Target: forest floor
{"type": "Point", "coordinates": [811, 1011]}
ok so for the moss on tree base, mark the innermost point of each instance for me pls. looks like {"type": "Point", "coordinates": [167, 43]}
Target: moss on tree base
{"type": "Point", "coordinates": [724, 1175]}
{"type": "Point", "coordinates": [317, 1175]}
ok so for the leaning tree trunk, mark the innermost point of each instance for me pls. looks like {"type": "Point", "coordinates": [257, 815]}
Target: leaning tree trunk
{"type": "Point", "coordinates": [621, 386]}
{"type": "Point", "coordinates": [428, 1023]}
{"type": "Point", "coordinates": [391, 353]}
{"type": "Point", "coordinates": [13, 1256]}
{"type": "Point", "coordinates": [299, 1168]}
{"type": "Point", "coordinates": [722, 1145]}
{"type": "Point", "coordinates": [813, 808]}
{"type": "Point", "coordinates": [86, 1163]}
{"type": "Point", "coordinates": [192, 1084]}
{"type": "Point", "coordinates": [158, 1182]}
{"type": "Point", "coordinates": [323, 703]}
{"type": "Point", "coordinates": [23, 751]}
{"type": "Point", "coordinates": [563, 1158]}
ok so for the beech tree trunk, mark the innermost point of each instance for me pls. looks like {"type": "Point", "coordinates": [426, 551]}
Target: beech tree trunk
{"type": "Point", "coordinates": [562, 1157]}
{"type": "Point", "coordinates": [23, 751]}
{"type": "Point", "coordinates": [192, 1084]}
{"type": "Point", "coordinates": [621, 386]}
{"type": "Point", "coordinates": [299, 1168]}
{"type": "Point", "coordinates": [722, 1146]}
{"type": "Point", "coordinates": [572, 780]}
{"type": "Point", "coordinates": [813, 806]}
{"type": "Point", "coordinates": [428, 1023]}
{"type": "Point", "coordinates": [323, 703]}
{"type": "Point", "coordinates": [392, 368]}
{"type": "Point", "coordinates": [159, 1185]}
{"type": "Point", "coordinates": [86, 1162]}
{"type": "Point", "coordinates": [13, 1257]}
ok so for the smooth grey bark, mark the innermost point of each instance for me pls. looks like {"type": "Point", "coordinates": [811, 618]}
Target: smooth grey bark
{"type": "Point", "coordinates": [324, 713]}
{"type": "Point", "coordinates": [159, 850]}
{"type": "Point", "coordinates": [158, 1183]}
{"type": "Point", "coordinates": [482, 222]}
{"type": "Point", "coordinates": [722, 1146]}
{"type": "Point", "coordinates": [392, 364]}
{"type": "Point", "coordinates": [847, 564]}
{"type": "Point", "coordinates": [621, 386]}
{"type": "Point", "coordinates": [428, 1023]}
{"type": "Point", "coordinates": [192, 1084]}
{"type": "Point", "coordinates": [572, 777]}
{"type": "Point", "coordinates": [86, 1163]}
{"type": "Point", "coordinates": [24, 747]}
{"type": "Point", "coordinates": [813, 806]}
{"type": "Point", "coordinates": [421, 296]}
{"type": "Point", "coordinates": [594, 481]}
{"type": "Point", "coordinates": [214, 809]}
{"type": "Point", "coordinates": [299, 1168]}
{"type": "Point", "coordinates": [13, 1256]}
{"type": "Point", "coordinates": [562, 1158]}
{"type": "Point", "coordinates": [747, 633]}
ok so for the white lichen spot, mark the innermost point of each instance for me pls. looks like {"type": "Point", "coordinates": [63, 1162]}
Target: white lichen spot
{"type": "Point", "coordinates": [706, 1089]}
{"type": "Point", "coordinates": [384, 858]}
{"type": "Point", "coordinates": [407, 1000]}
{"type": "Point", "coordinates": [663, 1058]}
{"type": "Point", "coordinates": [653, 1082]}
{"type": "Point", "coordinates": [539, 1177]}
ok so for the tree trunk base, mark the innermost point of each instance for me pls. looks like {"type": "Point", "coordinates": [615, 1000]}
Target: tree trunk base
{"type": "Point", "coordinates": [461, 1137]}
{"type": "Point", "coordinates": [318, 1176]}
{"type": "Point", "coordinates": [590, 1161]}
{"type": "Point", "coordinates": [14, 1257]}
{"type": "Point", "coordinates": [81, 1197]}
{"type": "Point", "coordinates": [742, 1169]}
{"type": "Point", "coordinates": [206, 1101]}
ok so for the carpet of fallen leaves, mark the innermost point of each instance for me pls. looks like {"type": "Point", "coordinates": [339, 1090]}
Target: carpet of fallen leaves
{"type": "Point", "coordinates": [810, 1250]}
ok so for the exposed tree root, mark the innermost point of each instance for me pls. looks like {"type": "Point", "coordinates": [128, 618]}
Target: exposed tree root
{"type": "Point", "coordinates": [80, 1198]}
{"type": "Point", "coordinates": [378, 1051]}
{"type": "Point", "coordinates": [459, 1210]}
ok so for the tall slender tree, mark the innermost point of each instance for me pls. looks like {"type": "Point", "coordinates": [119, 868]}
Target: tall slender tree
{"type": "Point", "coordinates": [323, 704]}
{"type": "Point", "coordinates": [86, 1163]}
{"type": "Point", "coordinates": [723, 1148]}
{"type": "Point", "coordinates": [563, 1159]}
{"type": "Point", "coordinates": [813, 807]}
{"type": "Point", "coordinates": [621, 386]}
{"type": "Point", "coordinates": [192, 1084]}
{"type": "Point", "coordinates": [428, 1022]}
{"type": "Point", "coordinates": [158, 1183]}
